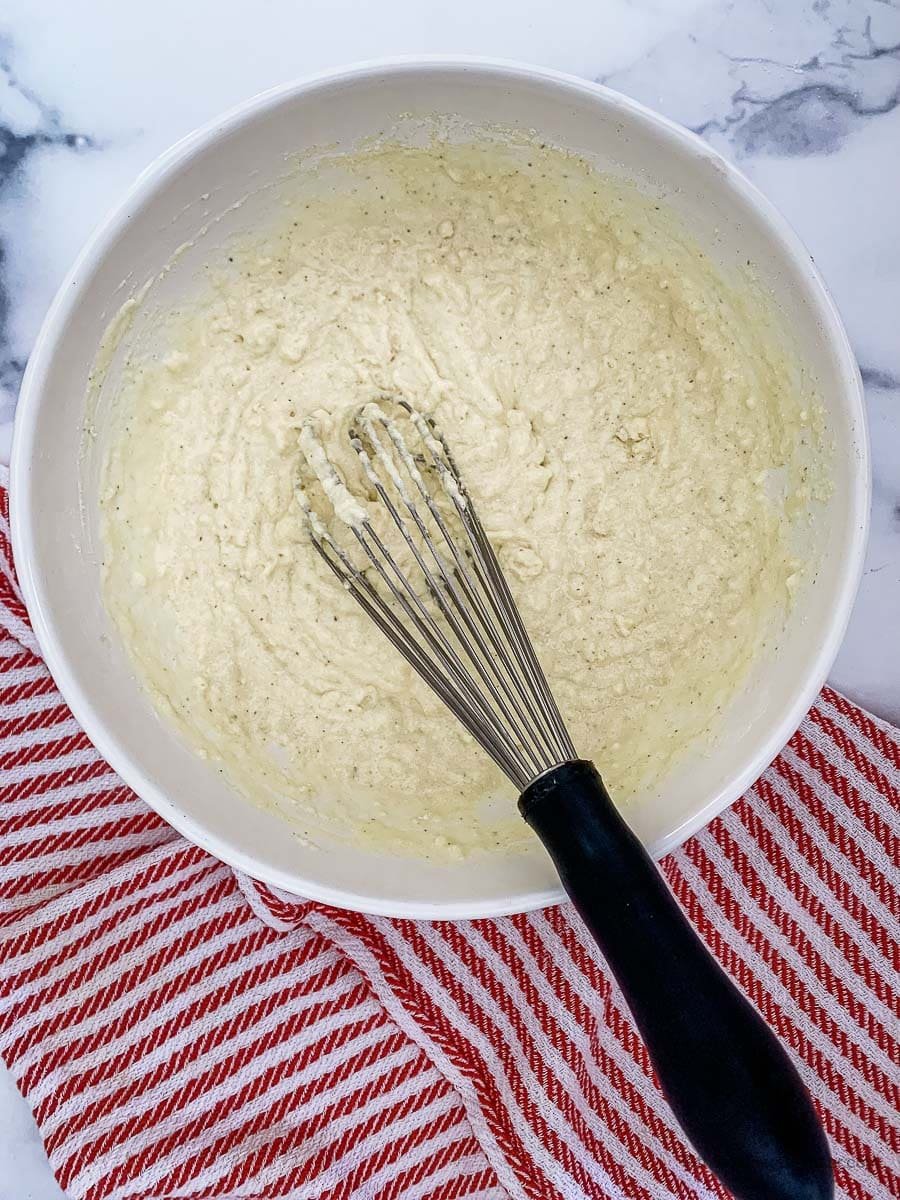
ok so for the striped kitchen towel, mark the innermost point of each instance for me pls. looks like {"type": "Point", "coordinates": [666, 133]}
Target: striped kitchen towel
{"type": "Point", "coordinates": [182, 1031]}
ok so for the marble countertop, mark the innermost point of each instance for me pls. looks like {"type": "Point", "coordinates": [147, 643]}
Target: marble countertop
{"type": "Point", "coordinates": [803, 94]}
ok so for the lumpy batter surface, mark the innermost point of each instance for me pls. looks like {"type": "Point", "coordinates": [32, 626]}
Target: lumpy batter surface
{"type": "Point", "coordinates": [617, 417]}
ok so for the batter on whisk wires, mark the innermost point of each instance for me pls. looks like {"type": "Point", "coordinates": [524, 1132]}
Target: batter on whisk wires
{"type": "Point", "coordinates": [486, 671]}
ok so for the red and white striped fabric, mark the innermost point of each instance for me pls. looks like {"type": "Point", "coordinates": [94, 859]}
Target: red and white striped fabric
{"type": "Point", "coordinates": [181, 1031]}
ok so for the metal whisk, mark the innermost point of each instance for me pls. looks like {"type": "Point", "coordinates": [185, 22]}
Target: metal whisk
{"type": "Point", "coordinates": [418, 561]}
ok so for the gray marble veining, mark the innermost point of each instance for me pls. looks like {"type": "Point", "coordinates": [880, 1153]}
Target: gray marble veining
{"type": "Point", "coordinates": [28, 128]}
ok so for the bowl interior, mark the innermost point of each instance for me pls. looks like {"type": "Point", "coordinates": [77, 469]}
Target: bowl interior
{"type": "Point", "coordinates": [225, 180]}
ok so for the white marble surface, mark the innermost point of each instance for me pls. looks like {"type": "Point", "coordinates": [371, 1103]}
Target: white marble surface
{"type": "Point", "coordinates": [803, 94]}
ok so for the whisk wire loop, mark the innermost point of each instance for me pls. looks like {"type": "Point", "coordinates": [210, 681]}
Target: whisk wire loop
{"type": "Point", "coordinates": [469, 643]}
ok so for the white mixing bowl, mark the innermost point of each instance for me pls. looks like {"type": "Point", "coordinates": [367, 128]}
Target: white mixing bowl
{"type": "Point", "coordinates": [215, 183]}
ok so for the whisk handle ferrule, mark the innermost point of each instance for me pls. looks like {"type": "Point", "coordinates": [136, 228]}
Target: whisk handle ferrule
{"type": "Point", "coordinates": [731, 1085]}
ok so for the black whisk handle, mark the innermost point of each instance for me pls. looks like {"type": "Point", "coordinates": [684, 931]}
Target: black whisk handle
{"type": "Point", "coordinates": [731, 1086]}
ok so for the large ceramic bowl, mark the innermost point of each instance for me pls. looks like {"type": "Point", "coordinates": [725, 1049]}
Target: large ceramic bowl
{"type": "Point", "coordinates": [221, 180]}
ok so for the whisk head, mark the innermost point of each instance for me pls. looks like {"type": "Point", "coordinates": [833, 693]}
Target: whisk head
{"type": "Point", "coordinates": [432, 582]}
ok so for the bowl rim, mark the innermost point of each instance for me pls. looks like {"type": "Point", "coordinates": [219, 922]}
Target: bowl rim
{"type": "Point", "coordinates": [150, 181]}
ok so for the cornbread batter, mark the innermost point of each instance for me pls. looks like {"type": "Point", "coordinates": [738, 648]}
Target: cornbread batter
{"type": "Point", "coordinates": [617, 412]}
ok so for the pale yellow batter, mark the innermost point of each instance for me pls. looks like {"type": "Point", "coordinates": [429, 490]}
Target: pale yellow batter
{"type": "Point", "coordinates": [617, 416]}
